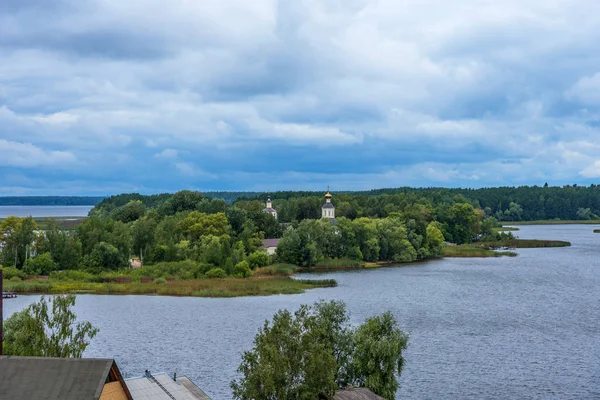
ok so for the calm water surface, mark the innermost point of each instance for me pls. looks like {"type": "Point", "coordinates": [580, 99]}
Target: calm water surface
{"type": "Point", "coordinates": [44, 211]}
{"type": "Point", "coordinates": [526, 327]}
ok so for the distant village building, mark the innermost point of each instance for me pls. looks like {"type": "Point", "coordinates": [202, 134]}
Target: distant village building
{"type": "Point", "coordinates": [135, 263]}
{"type": "Point", "coordinates": [269, 208]}
{"type": "Point", "coordinates": [270, 245]}
{"type": "Point", "coordinates": [328, 209]}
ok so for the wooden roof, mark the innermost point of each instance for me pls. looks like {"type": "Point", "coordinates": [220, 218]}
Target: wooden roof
{"type": "Point", "coordinates": [48, 378]}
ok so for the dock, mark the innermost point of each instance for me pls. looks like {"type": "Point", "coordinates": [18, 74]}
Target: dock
{"type": "Point", "coordinates": [9, 295]}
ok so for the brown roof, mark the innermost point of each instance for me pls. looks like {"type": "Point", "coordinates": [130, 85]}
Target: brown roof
{"type": "Point", "coordinates": [270, 243]}
{"type": "Point", "coordinates": [39, 378]}
{"type": "Point", "coordinates": [356, 394]}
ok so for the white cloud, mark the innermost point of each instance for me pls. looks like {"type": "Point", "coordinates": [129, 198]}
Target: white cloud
{"type": "Point", "coordinates": [190, 170]}
{"type": "Point", "coordinates": [17, 154]}
{"type": "Point", "coordinates": [167, 154]}
{"type": "Point", "coordinates": [586, 90]}
{"type": "Point", "coordinates": [591, 171]}
{"type": "Point", "coordinates": [445, 81]}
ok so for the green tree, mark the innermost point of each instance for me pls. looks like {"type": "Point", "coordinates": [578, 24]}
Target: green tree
{"type": "Point", "coordinates": [242, 270]}
{"type": "Point", "coordinates": [132, 211]}
{"type": "Point", "coordinates": [434, 240]}
{"type": "Point", "coordinates": [377, 358]}
{"type": "Point", "coordinates": [258, 259]}
{"type": "Point", "coordinates": [41, 264]}
{"type": "Point", "coordinates": [47, 329]}
{"type": "Point", "coordinates": [105, 256]}
{"type": "Point", "coordinates": [313, 352]}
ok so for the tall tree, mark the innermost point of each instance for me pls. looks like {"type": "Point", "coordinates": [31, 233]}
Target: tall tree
{"type": "Point", "coordinates": [47, 329]}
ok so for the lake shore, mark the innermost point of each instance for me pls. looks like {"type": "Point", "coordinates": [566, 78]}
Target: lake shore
{"type": "Point", "coordinates": [554, 222]}
{"type": "Point", "coordinates": [227, 287]}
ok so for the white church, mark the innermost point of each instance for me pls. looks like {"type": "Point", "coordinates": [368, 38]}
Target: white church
{"type": "Point", "coordinates": [269, 208]}
{"type": "Point", "coordinates": [327, 209]}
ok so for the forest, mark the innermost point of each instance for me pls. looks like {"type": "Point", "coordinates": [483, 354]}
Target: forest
{"type": "Point", "coordinates": [194, 235]}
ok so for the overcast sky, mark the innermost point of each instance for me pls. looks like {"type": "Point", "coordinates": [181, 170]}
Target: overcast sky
{"type": "Point", "coordinates": [111, 96]}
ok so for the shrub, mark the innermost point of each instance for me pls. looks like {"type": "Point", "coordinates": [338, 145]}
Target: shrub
{"type": "Point", "coordinates": [242, 270]}
{"type": "Point", "coordinates": [73, 275]}
{"type": "Point", "coordinates": [10, 272]}
{"type": "Point", "coordinates": [159, 281]}
{"type": "Point", "coordinates": [15, 279]}
{"type": "Point", "coordinates": [258, 259]}
{"type": "Point", "coordinates": [41, 264]}
{"type": "Point", "coordinates": [216, 273]}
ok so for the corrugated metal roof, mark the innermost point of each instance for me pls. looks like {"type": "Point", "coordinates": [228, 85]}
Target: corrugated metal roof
{"type": "Point", "coordinates": [145, 388]}
{"type": "Point", "coordinates": [356, 394]}
{"type": "Point", "coordinates": [39, 378]}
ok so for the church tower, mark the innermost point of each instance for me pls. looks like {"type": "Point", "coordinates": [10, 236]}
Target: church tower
{"type": "Point", "coordinates": [269, 208]}
{"type": "Point", "coordinates": [328, 210]}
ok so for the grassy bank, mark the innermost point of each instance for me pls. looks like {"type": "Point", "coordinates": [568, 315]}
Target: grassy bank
{"type": "Point", "coordinates": [68, 223]}
{"type": "Point", "coordinates": [466, 250]}
{"type": "Point", "coordinates": [526, 243]}
{"type": "Point", "coordinates": [557, 222]}
{"type": "Point", "coordinates": [228, 287]}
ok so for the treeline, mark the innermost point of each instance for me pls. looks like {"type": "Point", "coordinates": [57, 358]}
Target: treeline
{"type": "Point", "coordinates": [49, 201]}
{"type": "Point", "coordinates": [385, 239]}
{"type": "Point", "coordinates": [222, 239]}
{"type": "Point", "coordinates": [219, 239]}
{"type": "Point", "coordinates": [525, 203]}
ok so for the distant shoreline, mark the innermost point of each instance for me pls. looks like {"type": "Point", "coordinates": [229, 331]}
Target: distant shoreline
{"type": "Point", "coordinates": [554, 222]}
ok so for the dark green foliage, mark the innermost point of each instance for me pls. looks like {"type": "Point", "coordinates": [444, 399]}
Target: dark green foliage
{"type": "Point", "coordinates": [41, 264]}
{"type": "Point", "coordinates": [242, 270]}
{"type": "Point", "coordinates": [400, 225]}
{"type": "Point", "coordinates": [130, 212]}
{"type": "Point", "coordinates": [377, 357]}
{"type": "Point", "coordinates": [216, 273]}
{"type": "Point", "coordinates": [258, 259]}
{"type": "Point", "coordinates": [47, 329]}
{"type": "Point", "coordinates": [104, 256]}
{"type": "Point", "coordinates": [314, 352]}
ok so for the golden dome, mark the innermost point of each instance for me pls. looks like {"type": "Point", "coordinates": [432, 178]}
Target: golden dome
{"type": "Point", "coordinates": [328, 195]}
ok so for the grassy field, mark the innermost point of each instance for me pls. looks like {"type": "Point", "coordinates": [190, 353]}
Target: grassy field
{"type": "Point", "coordinates": [526, 243]}
{"type": "Point", "coordinates": [63, 222]}
{"type": "Point", "coordinates": [228, 287]}
{"type": "Point", "coordinates": [556, 222]}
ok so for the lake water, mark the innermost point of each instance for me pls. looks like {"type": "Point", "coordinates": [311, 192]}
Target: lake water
{"type": "Point", "coordinates": [44, 211]}
{"type": "Point", "coordinates": [525, 327]}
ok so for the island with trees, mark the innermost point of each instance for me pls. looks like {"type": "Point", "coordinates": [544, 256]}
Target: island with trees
{"type": "Point", "coordinates": [188, 243]}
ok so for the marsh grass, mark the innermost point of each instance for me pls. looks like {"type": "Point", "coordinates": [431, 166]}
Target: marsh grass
{"type": "Point", "coordinates": [276, 270]}
{"type": "Point", "coordinates": [466, 251]}
{"type": "Point", "coordinates": [526, 243]}
{"type": "Point", "coordinates": [228, 287]}
{"type": "Point", "coordinates": [338, 263]}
